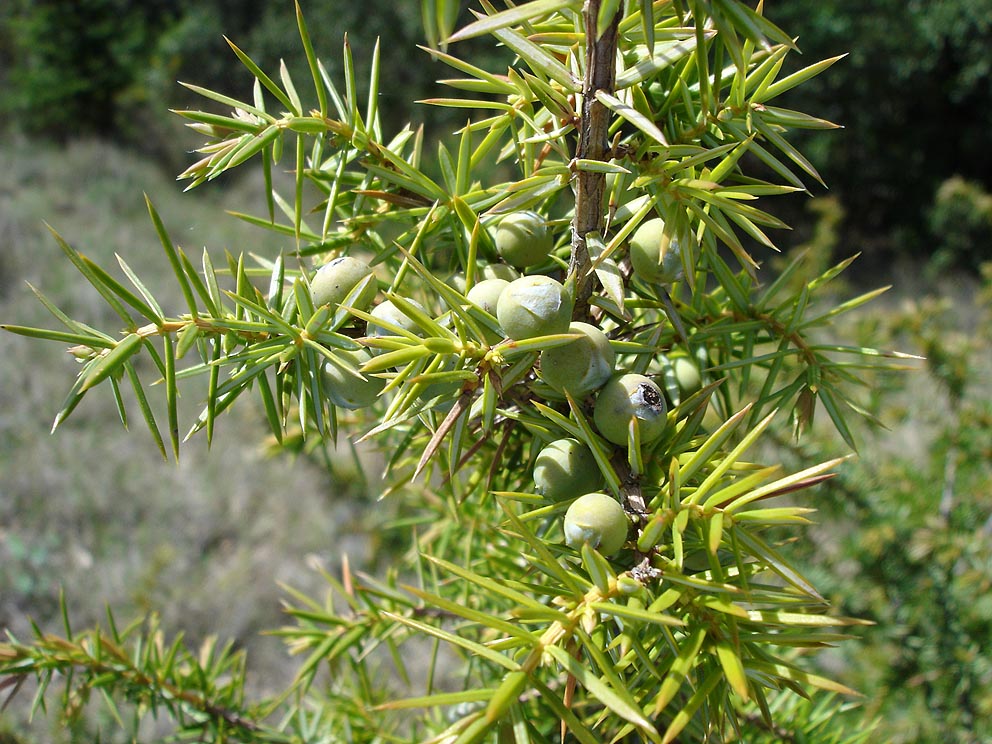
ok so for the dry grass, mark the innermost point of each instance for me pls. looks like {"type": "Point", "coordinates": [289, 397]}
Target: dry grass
{"type": "Point", "coordinates": [93, 509]}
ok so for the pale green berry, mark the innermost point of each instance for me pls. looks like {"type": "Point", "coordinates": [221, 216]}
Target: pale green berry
{"type": "Point", "coordinates": [580, 366]}
{"type": "Point", "coordinates": [499, 271]}
{"type": "Point", "coordinates": [523, 239]}
{"type": "Point", "coordinates": [534, 306]}
{"type": "Point", "coordinates": [564, 468]}
{"type": "Point", "coordinates": [682, 375]}
{"type": "Point", "coordinates": [628, 396]}
{"type": "Point", "coordinates": [596, 519]}
{"type": "Point", "coordinates": [655, 253]}
{"type": "Point", "coordinates": [687, 375]}
{"type": "Point", "coordinates": [350, 388]}
{"type": "Point", "coordinates": [488, 271]}
{"type": "Point", "coordinates": [388, 312]}
{"type": "Point", "coordinates": [335, 280]}
{"type": "Point", "coordinates": [486, 294]}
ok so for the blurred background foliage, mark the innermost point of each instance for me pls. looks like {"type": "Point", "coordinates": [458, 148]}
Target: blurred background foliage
{"type": "Point", "coordinates": [109, 68]}
{"type": "Point", "coordinates": [915, 93]}
{"type": "Point", "coordinates": [904, 535]}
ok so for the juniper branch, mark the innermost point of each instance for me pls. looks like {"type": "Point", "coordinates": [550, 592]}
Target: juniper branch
{"type": "Point", "coordinates": [593, 144]}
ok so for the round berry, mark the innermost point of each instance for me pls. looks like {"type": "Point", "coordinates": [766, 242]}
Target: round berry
{"type": "Point", "coordinates": [388, 312]}
{"type": "Point", "coordinates": [655, 253]}
{"type": "Point", "coordinates": [564, 468]}
{"type": "Point", "coordinates": [349, 388]}
{"type": "Point", "coordinates": [486, 294]}
{"type": "Point", "coordinates": [534, 306]}
{"type": "Point", "coordinates": [596, 519]}
{"type": "Point", "coordinates": [687, 375]}
{"type": "Point", "coordinates": [335, 280]}
{"type": "Point", "coordinates": [499, 271]}
{"type": "Point", "coordinates": [580, 366]}
{"type": "Point", "coordinates": [628, 396]}
{"type": "Point", "coordinates": [523, 239]}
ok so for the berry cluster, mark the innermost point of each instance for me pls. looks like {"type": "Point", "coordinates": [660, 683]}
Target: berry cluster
{"type": "Point", "coordinates": [627, 407]}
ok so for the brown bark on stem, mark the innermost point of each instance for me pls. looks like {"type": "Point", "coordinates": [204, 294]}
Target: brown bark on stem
{"type": "Point", "coordinates": [593, 145]}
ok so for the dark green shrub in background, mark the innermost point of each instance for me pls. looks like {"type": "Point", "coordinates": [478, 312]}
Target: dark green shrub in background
{"type": "Point", "coordinates": [108, 67]}
{"type": "Point", "coordinates": [915, 93]}
{"type": "Point", "coordinates": [70, 62]}
{"type": "Point", "coordinates": [960, 222]}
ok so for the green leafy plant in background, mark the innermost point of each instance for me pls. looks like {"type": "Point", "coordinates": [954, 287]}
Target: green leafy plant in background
{"type": "Point", "coordinates": [960, 218]}
{"type": "Point", "coordinates": [935, 50]}
{"type": "Point", "coordinates": [904, 539]}
{"type": "Point", "coordinates": [499, 619]}
{"type": "Point", "coordinates": [70, 64]}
